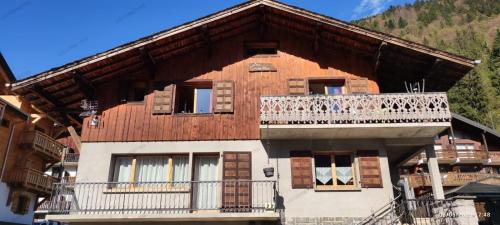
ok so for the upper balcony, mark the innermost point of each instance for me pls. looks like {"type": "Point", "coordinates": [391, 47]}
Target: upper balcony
{"type": "Point", "coordinates": [354, 116]}
{"type": "Point", "coordinates": [43, 145]}
{"type": "Point", "coordinates": [450, 156]}
{"type": "Point", "coordinates": [30, 179]}
{"type": "Point", "coordinates": [451, 179]}
{"type": "Point", "coordinates": [217, 201]}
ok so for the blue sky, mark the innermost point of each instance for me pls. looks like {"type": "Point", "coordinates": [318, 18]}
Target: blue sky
{"type": "Point", "coordinates": [38, 35]}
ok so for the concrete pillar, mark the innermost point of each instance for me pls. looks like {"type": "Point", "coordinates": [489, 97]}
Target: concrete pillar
{"type": "Point", "coordinates": [432, 164]}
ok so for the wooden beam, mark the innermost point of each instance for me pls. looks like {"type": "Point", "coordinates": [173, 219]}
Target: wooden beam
{"type": "Point", "coordinates": [435, 67]}
{"type": "Point", "coordinates": [376, 58]}
{"type": "Point", "coordinates": [47, 97]}
{"type": "Point", "coordinates": [76, 138]}
{"type": "Point", "coordinates": [149, 62]}
{"type": "Point", "coordinates": [206, 39]}
{"type": "Point", "coordinates": [317, 36]}
{"type": "Point", "coordinates": [262, 21]}
{"type": "Point", "coordinates": [84, 85]}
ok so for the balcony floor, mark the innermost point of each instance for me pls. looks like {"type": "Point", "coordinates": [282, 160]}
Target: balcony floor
{"type": "Point", "coordinates": [193, 217]}
{"type": "Point", "coordinates": [352, 131]}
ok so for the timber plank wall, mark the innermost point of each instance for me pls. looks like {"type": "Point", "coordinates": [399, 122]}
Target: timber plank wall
{"type": "Point", "coordinates": [227, 61]}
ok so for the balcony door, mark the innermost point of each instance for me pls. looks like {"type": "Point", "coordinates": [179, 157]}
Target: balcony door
{"type": "Point", "coordinates": [205, 184]}
{"type": "Point", "coordinates": [237, 188]}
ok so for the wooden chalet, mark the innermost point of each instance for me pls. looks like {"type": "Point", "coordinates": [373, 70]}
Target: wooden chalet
{"type": "Point", "coordinates": [246, 115]}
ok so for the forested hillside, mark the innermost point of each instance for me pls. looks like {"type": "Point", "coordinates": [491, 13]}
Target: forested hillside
{"type": "Point", "coordinates": [467, 27]}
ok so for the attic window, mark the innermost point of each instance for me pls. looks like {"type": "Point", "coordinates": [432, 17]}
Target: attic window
{"type": "Point", "coordinates": [194, 98]}
{"type": "Point", "coordinates": [261, 48]}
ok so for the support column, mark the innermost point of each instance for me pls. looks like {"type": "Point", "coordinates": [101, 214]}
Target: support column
{"type": "Point", "coordinates": [432, 164]}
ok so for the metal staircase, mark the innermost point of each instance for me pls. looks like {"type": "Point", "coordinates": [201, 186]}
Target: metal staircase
{"type": "Point", "coordinates": [401, 211]}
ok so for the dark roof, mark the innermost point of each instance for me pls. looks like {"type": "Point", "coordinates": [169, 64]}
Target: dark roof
{"type": "Point", "coordinates": [5, 67]}
{"type": "Point", "coordinates": [475, 124]}
{"type": "Point", "coordinates": [477, 188]}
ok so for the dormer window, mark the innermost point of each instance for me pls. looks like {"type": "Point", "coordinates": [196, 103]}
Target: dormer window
{"type": "Point", "coordinates": [256, 48]}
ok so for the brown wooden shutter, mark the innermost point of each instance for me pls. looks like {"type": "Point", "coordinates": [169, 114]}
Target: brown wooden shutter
{"type": "Point", "coordinates": [224, 96]}
{"type": "Point", "coordinates": [297, 86]}
{"type": "Point", "coordinates": [358, 86]}
{"type": "Point", "coordinates": [369, 169]}
{"type": "Point", "coordinates": [237, 186]}
{"type": "Point", "coordinates": [301, 163]}
{"type": "Point", "coordinates": [163, 100]}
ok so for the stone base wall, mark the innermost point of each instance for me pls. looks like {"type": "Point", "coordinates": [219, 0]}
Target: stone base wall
{"type": "Point", "coordinates": [320, 220]}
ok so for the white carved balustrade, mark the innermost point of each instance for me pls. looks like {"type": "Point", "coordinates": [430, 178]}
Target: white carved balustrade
{"type": "Point", "coordinates": [353, 109]}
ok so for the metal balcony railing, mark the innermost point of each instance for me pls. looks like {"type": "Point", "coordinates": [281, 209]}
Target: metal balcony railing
{"type": "Point", "coordinates": [42, 144]}
{"type": "Point", "coordinates": [31, 179]}
{"type": "Point", "coordinates": [347, 109]}
{"type": "Point", "coordinates": [71, 157]}
{"type": "Point", "coordinates": [233, 196]}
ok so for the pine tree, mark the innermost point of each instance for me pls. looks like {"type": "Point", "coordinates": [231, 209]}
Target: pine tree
{"type": "Point", "coordinates": [389, 24]}
{"type": "Point", "coordinates": [402, 23]}
{"type": "Point", "coordinates": [494, 63]}
{"type": "Point", "coordinates": [468, 98]}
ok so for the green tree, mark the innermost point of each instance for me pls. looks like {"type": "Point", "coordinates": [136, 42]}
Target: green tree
{"type": "Point", "coordinates": [494, 64]}
{"type": "Point", "coordinates": [402, 23]}
{"type": "Point", "coordinates": [468, 98]}
{"type": "Point", "coordinates": [389, 24]}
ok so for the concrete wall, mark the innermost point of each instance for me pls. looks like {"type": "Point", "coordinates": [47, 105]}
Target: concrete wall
{"type": "Point", "coordinates": [95, 163]}
{"type": "Point", "coordinates": [6, 215]}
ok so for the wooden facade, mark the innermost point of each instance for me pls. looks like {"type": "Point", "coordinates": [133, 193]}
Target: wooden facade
{"type": "Point", "coordinates": [136, 121]}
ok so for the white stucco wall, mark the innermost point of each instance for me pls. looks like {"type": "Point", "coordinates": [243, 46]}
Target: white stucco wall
{"type": "Point", "coordinates": [95, 163]}
{"type": "Point", "coordinates": [6, 215]}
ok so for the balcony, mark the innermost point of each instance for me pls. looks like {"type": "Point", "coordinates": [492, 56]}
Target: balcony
{"type": "Point", "coordinates": [71, 158]}
{"type": "Point", "coordinates": [43, 145]}
{"type": "Point", "coordinates": [235, 200]}
{"type": "Point", "coordinates": [449, 156]}
{"type": "Point", "coordinates": [494, 158]}
{"type": "Point", "coordinates": [354, 116]}
{"type": "Point", "coordinates": [30, 179]}
{"type": "Point", "coordinates": [451, 179]}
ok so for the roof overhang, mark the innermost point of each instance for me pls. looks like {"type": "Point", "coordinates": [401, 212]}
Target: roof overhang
{"type": "Point", "coordinates": [395, 60]}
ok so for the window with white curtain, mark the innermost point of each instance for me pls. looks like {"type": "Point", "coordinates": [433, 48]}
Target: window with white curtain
{"type": "Point", "coordinates": [142, 170]}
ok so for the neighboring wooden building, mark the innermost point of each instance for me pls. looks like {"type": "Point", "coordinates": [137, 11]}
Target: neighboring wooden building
{"type": "Point", "coordinates": [26, 151]}
{"type": "Point", "coordinates": [246, 115]}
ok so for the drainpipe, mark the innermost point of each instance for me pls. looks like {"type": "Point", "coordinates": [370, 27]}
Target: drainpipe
{"type": "Point", "coordinates": [9, 144]}
{"type": "Point", "coordinates": [454, 144]}
{"type": "Point", "coordinates": [486, 147]}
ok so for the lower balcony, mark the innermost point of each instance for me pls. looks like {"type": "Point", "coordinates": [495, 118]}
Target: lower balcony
{"type": "Point", "coordinates": [448, 179]}
{"type": "Point", "coordinates": [494, 158]}
{"type": "Point", "coordinates": [402, 115]}
{"type": "Point", "coordinates": [235, 200]}
{"type": "Point", "coordinates": [449, 156]}
{"type": "Point", "coordinates": [32, 180]}
{"type": "Point", "coordinates": [43, 145]}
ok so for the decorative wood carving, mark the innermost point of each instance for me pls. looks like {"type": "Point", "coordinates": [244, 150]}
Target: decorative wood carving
{"type": "Point", "coordinates": [261, 67]}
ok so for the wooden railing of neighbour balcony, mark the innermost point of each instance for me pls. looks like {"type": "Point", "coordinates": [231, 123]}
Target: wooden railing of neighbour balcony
{"type": "Point", "coordinates": [70, 180]}
{"type": "Point", "coordinates": [364, 108]}
{"type": "Point", "coordinates": [495, 156]}
{"type": "Point", "coordinates": [43, 145]}
{"type": "Point", "coordinates": [448, 179]}
{"type": "Point", "coordinates": [31, 179]}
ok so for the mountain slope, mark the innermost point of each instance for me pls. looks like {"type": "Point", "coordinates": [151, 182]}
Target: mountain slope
{"type": "Point", "coordinates": [465, 27]}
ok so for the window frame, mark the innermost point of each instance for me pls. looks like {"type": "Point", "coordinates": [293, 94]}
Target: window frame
{"type": "Point", "coordinates": [334, 185]}
{"type": "Point", "coordinates": [205, 84]}
{"type": "Point", "coordinates": [133, 184]}
{"type": "Point", "coordinates": [327, 82]}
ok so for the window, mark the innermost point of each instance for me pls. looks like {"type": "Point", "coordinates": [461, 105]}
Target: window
{"type": "Point", "coordinates": [261, 48]}
{"type": "Point", "coordinates": [20, 203]}
{"type": "Point", "coordinates": [150, 171]}
{"type": "Point", "coordinates": [196, 98]}
{"type": "Point", "coordinates": [137, 91]}
{"type": "Point", "coordinates": [334, 171]}
{"type": "Point", "coordinates": [326, 87]}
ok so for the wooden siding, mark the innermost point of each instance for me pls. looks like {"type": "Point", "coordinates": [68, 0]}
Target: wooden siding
{"type": "Point", "coordinates": [225, 61]}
